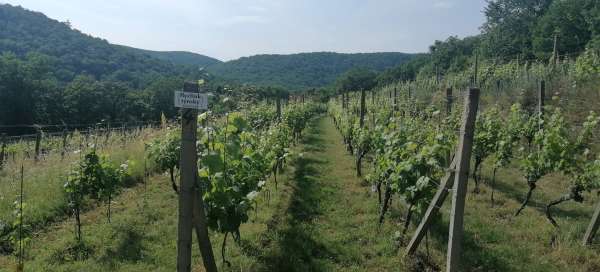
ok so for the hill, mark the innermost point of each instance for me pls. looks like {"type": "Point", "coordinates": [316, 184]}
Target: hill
{"type": "Point", "coordinates": [23, 32]}
{"type": "Point", "coordinates": [304, 70]}
{"type": "Point", "coordinates": [178, 57]}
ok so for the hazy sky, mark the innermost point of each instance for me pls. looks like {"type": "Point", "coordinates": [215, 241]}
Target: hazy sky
{"type": "Point", "coordinates": [229, 29]}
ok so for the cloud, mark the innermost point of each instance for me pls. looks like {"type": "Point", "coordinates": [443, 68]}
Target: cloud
{"type": "Point", "coordinates": [443, 4]}
{"type": "Point", "coordinates": [242, 19]}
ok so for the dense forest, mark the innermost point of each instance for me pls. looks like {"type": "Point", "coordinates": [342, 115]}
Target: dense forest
{"type": "Point", "coordinates": [51, 73]}
{"type": "Point", "coordinates": [519, 31]}
{"type": "Point", "coordinates": [302, 71]}
{"type": "Point", "coordinates": [178, 57]}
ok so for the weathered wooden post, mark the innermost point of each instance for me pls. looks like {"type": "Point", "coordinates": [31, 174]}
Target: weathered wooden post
{"type": "Point", "coordinates": [460, 182]}
{"type": "Point", "coordinates": [38, 142]}
{"type": "Point", "coordinates": [498, 87]}
{"type": "Point", "coordinates": [21, 264]}
{"type": "Point", "coordinates": [3, 151]}
{"type": "Point", "coordinates": [189, 201]}
{"type": "Point", "coordinates": [372, 97]}
{"type": "Point", "coordinates": [278, 102]}
{"type": "Point", "coordinates": [476, 69]}
{"type": "Point", "coordinates": [108, 132]}
{"type": "Point", "coordinates": [359, 150]}
{"type": "Point", "coordinates": [592, 227]}
{"type": "Point", "coordinates": [449, 101]}
{"type": "Point", "coordinates": [541, 96]}
{"type": "Point", "coordinates": [362, 108]}
{"type": "Point", "coordinates": [64, 144]}
{"type": "Point", "coordinates": [555, 51]}
{"type": "Point", "coordinates": [395, 99]}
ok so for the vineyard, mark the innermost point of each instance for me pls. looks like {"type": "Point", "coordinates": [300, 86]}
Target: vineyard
{"type": "Point", "coordinates": [356, 181]}
{"type": "Point", "coordinates": [482, 153]}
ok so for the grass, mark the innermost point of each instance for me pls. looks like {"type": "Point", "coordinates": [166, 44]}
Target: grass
{"type": "Point", "coordinates": [323, 218]}
{"type": "Point", "coordinates": [44, 197]}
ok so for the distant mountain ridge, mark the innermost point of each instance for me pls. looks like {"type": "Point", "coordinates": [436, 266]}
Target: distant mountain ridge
{"type": "Point", "coordinates": [177, 57]}
{"type": "Point", "coordinates": [302, 70]}
{"type": "Point", "coordinates": [73, 53]}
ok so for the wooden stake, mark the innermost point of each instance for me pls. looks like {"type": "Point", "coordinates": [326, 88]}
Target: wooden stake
{"type": "Point", "coordinates": [362, 108]}
{"type": "Point", "coordinates": [372, 97]}
{"type": "Point", "coordinates": [476, 69]}
{"type": "Point", "coordinates": [3, 151]}
{"type": "Point", "coordinates": [64, 144]}
{"type": "Point", "coordinates": [395, 99]}
{"type": "Point", "coordinates": [460, 182]}
{"type": "Point", "coordinates": [278, 108]}
{"type": "Point", "coordinates": [435, 204]}
{"type": "Point", "coordinates": [188, 197]}
{"type": "Point", "coordinates": [38, 141]}
{"type": "Point", "coordinates": [554, 50]}
{"type": "Point", "coordinates": [448, 101]}
{"type": "Point", "coordinates": [201, 226]}
{"type": "Point", "coordinates": [21, 248]}
{"type": "Point", "coordinates": [541, 96]}
{"type": "Point", "coordinates": [592, 227]}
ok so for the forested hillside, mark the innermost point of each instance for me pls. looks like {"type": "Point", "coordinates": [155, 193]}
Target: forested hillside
{"type": "Point", "coordinates": [71, 52]}
{"type": "Point", "coordinates": [51, 73]}
{"type": "Point", "coordinates": [302, 71]}
{"type": "Point", "coordinates": [178, 57]}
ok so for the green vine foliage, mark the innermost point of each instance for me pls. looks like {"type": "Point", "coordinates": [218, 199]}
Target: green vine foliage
{"type": "Point", "coordinates": [94, 177]}
{"type": "Point", "coordinates": [166, 153]}
{"type": "Point", "coordinates": [236, 160]}
{"type": "Point", "coordinates": [488, 129]}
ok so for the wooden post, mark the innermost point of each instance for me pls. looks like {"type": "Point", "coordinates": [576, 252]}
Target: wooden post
{"type": "Point", "coordinates": [3, 151]}
{"type": "Point", "coordinates": [64, 144]}
{"type": "Point", "coordinates": [38, 141]}
{"type": "Point", "coordinates": [554, 50]}
{"type": "Point", "coordinates": [188, 177]}
{"type": "Point", "coordinates": [21, 264]}
{"type": "Point", "coordinates": [372, 97]}
{"type": "Point", "coordinates": [592, 227]}
{"type": "Point", "coordinates": [460, 181]}
{"type": "Point", "coordinates": [362, 108]}
{"type": "Point", "coordinates": [448, 101]}
{"type": "Point", "coordinates": [201, 226]}
{"type": "Point", "coordinates": [497, 88]}
{"type": "Point", "coordinates": [278, 101]}
{"type": "Point", "coordinates": [191, 206]}
{"type": "Point", "coordinates": [435, 204]}
{"type": "Point", "coordinates": [541, 96]}
{"type": "Point", "coordinates": [476, 69]}
{"type": "Point", "coordinates": [395, 99]}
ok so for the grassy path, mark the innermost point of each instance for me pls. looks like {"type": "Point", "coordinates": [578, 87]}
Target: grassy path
{"type": "Point", "coordinates": [329, 224]}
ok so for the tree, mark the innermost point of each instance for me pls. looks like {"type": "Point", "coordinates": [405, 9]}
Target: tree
{"type": "Point", "coordinates": [564, 21]}
{"type": "Point", "coordinates": [509, 25]}
{"type": "Point", "coordinates": [356, 79]}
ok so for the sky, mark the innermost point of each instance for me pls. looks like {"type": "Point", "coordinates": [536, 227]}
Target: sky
{"type": "Point", "coordinates": [229, 29]}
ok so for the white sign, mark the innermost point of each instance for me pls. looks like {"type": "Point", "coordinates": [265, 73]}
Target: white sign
{"type": "Point", "coordinates": [198, 101]}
